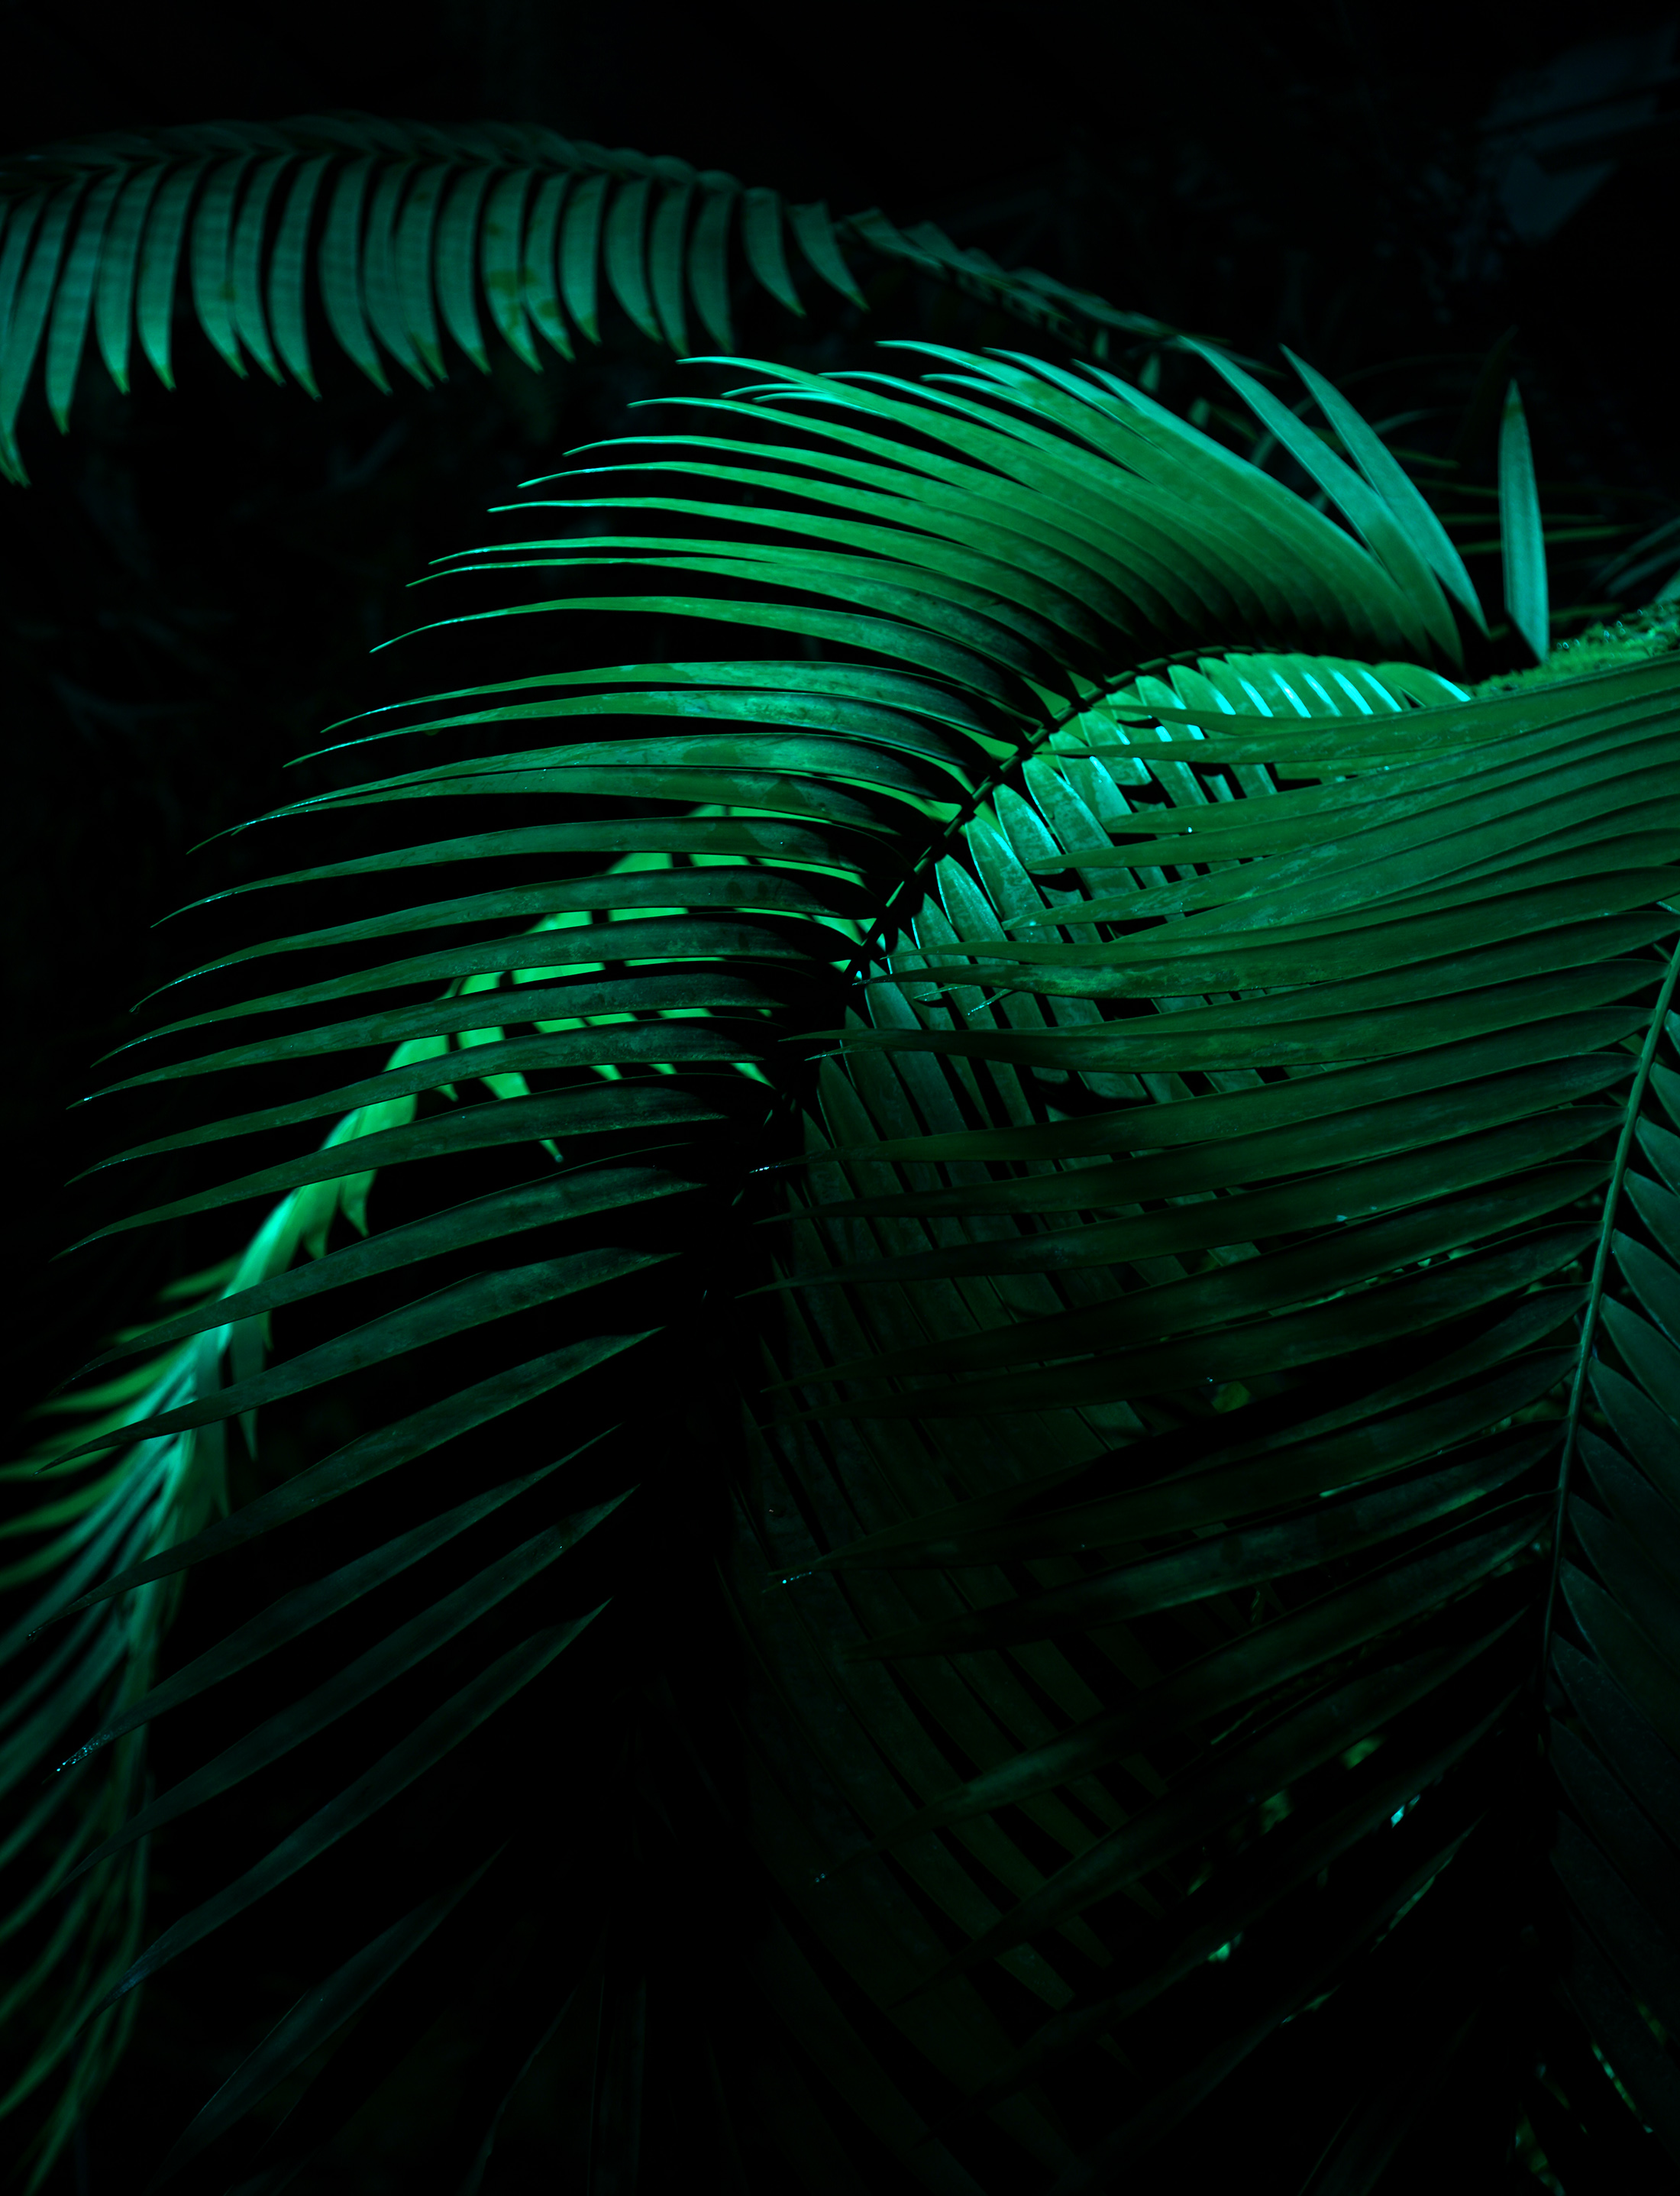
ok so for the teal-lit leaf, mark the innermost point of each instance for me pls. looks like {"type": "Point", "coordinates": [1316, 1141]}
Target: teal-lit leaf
{"type": "Point", "coordinates": [73, 305]}
{"type": "Point", "coordinates": [503, 257]}
{"type": "Point", "coordinates": [343, 270]}
{"type": "Point", "coordinates": [457, 249]}
{"type": "Point", "coordinates": [250, 323]}
{"type": "Point", "coordinates": [285, 273]}
{"type": "Point", "coordinates": [665, 259]}
{"type": "Point", "coordinates": [382, 288]}
{"type": "Point", "coordinates": [761, 237]}
{"type": "Point", "coordinates": [625, 249]}
{"type": "Point", "coordinates": [819, 241]}
{"type": "Point", "coordinates": [539, 270]}
{"type": "Point", "coordinates": [1396, 486]}
{"type": "Point", "coordinates": [1521, 545]}
{"type": "Point", "coordinates": [708, 266]}
{"type": "Point", "coordinates": [1265, 1284]}
{"type": "Point", "coordinates": [159, 261]}
{"type": "Point", "coordinates": [1365, 508]}
{"type": "Point", "coordinates": [28, 318]}
{"type": "Point", "coordinates": [211, 245]}
{"type": "Point", "coordinates": [118, 269]}
{"type": "Point", "coordinates": [580, 253]}
{"type": "Point", "coordinates": [412, 264]}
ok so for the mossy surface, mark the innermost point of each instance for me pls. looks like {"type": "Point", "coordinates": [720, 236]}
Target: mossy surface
{"type": "Point", "coordinates": [1654, 631]}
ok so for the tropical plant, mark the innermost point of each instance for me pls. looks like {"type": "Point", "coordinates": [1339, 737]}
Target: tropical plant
{"type": "Point", "coordinates": [1103, 1365]}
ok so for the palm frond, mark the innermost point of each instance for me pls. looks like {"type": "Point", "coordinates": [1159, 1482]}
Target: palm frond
{"type": "Point", "coordinates": [1144, 1411]}
{"type": "Point", "coordinates": [157, 1494]}
{"type": "Point", "coordinates": [1239, 1299]}
{"type": "Point", "coordinates": [417, 233]}
{"type": "Point", "coordinates": [1614, 1720]}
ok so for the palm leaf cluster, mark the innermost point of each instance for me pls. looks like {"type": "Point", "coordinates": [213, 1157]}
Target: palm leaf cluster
{"type": "Point", "coordinates": [417, 233]}
{"type": "Point", "coordinates": [1488, 505]}
{"type": "Point", "coordinates": [1121, 1124]}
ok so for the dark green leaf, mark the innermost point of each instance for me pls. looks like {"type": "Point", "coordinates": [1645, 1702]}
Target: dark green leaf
{"type": "Point", "coordinates": [1225, 1562]}
{"type": "Point", "coordinates": [1359, 1320]}
{"type": "Point", "coordinates": [1225, 1787]}
{"type": "Point", "coordinates": [1248, 1665]}
{"type": "Point", "coordinates": [1623, 1737]}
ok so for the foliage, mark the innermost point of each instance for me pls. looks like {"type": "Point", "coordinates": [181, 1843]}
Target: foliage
{"type": "Point", "coordinates": [1102, 1361]}
{"type": "Point", "coordinates": [425, 231]}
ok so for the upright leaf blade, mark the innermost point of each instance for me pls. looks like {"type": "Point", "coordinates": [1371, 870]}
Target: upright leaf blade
{"type": "Point", "coordinates": [1372, 455]}
{"type": "Point", "coordinates": [1521, 536]}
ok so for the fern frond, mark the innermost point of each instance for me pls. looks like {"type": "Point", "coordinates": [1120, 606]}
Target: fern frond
{"type": "Point", "coordinates": [415, 231]}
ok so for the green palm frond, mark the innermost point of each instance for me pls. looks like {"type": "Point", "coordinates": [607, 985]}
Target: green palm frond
{"type": "Point", "coordinates": [158, 1494]}
{"type": "Point", "coordinates": [1187, 1290]}
{"type": "Point", "coordinates": [417, 233]}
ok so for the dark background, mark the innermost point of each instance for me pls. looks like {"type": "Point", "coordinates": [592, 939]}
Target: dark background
{"type": "Point", "coordinates": [189, 590]}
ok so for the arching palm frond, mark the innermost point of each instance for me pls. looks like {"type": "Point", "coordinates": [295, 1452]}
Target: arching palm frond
{"type": "Point", "coordinates": [426, 241]}
{"type": "Point", "coordinates": [156, 1496]}
{"type": "Point", "coordinates": [1186, 1054]}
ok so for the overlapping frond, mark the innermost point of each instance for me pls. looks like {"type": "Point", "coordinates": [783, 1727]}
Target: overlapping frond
{"type": "Point", "coordinates": [1614, 1702]}
{"type": "Point", "coordinates": [1186, 1052]}
{"type": "Point", "coordinates": [1347, 1201]}
{"type": "Point", "coordinates": [110, 1502]}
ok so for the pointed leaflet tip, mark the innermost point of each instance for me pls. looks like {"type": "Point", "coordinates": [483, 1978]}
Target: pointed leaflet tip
{"type": "Point", "coordinates": [1521, 540]}
{"type": "Point", "coordinates": [1396, 486]}
{"type": "Point", "coordinates": [1368, 511]}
